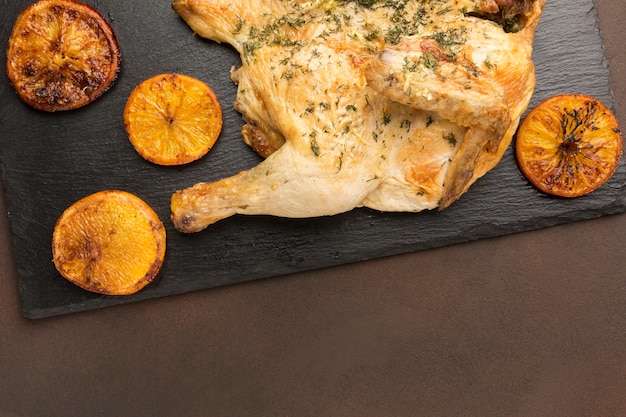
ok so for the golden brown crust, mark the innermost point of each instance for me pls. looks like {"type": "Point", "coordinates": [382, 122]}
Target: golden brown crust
{"type": "Point", "coordinates": [395, 106]}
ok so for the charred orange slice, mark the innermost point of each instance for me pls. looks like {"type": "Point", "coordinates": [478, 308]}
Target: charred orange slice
{"type": "Point", "coordinates": [110, 242]}
{"type": "Point", "coordinates": [173, 119]}
{"type": "Point", "coordinates": [569, 145]}
{"type": "Point", "coordinates": [61, 55]}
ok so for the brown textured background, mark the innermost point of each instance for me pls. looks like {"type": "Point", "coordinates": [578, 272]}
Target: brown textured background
{"type": "Point", "coordinates": [532, 324]}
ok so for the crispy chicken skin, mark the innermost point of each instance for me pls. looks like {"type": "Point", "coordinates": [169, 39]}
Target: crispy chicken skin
{"type": "Point", "coordinates": [396, 105]}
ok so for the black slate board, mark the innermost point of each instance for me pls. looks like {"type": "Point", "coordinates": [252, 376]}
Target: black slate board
{"type": "Point", "coordinates": [49, 161]}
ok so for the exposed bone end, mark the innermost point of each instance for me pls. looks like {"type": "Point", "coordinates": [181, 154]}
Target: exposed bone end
{"type": "Point", "coordinates": [195, 208]}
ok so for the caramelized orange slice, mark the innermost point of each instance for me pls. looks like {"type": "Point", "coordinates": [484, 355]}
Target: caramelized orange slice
{"type": "Point", "coordinates": [173, 119]}
{"type": "Point", "coordinates": [110, 242]}
{"type": "Point", "coordinates": [569, 145]}
{"type": "Point", "coordinates": [62, 55]}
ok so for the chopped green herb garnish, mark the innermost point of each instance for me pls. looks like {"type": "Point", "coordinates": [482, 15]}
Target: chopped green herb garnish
{"type": "Point", "coordinates": [451, 138]}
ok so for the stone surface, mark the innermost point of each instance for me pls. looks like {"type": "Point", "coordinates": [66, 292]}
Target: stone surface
{"type": "Point", "coordinates": [51, 160]}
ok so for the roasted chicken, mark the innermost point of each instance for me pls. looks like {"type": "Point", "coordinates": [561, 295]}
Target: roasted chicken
{"type": "Point", "coordinates": [395, 105]}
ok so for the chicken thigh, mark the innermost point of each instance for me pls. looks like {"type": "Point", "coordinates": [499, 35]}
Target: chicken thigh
{"type": "Point", "coordinates": [395, 105]}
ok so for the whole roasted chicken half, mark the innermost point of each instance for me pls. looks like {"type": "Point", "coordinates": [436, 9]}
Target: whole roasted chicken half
{"type": "Point", "coordinates": [395, 105]}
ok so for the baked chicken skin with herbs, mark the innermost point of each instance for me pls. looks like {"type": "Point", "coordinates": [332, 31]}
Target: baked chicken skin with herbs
{"type": "Point", "coordinates": [395, 105]}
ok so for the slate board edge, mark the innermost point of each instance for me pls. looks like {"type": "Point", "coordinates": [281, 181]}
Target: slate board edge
{"type": "Point", "coordinates": [511, 229]}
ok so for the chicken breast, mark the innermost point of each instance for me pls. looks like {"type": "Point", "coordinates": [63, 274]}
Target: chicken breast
{"type": "Point", "coordinates": [396, 105]}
